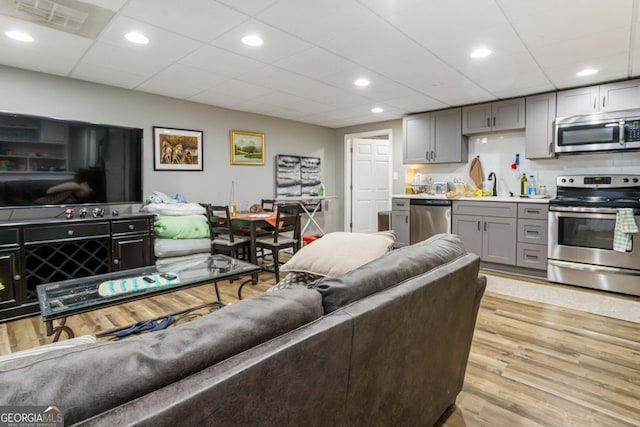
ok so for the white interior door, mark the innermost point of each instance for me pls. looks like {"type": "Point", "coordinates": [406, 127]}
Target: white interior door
{"type": "Point", "coordinates": [371, 184]}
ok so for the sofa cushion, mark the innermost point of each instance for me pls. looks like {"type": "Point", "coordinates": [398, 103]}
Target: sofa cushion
{"type": "Point", "coordinates": [339, 252]}
{"type": "Point", "coordinates": [388, 270]}
{"type": "Point", "coordinates": [116, 372]}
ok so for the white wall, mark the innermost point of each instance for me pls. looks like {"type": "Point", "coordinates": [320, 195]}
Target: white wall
{"type": "Point", "coordinates": [39, 94]}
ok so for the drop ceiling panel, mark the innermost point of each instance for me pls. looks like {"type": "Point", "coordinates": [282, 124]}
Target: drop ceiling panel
{"type": "Point", "coordinates": [340, 14]}
{"type": "Point", "coordinates": [277, 44]}
{"type": "Point", "coordinates": [114, 5]}
{"type": "Point", "coordinates": [53, 51]}
{"type": "Point", "coordinates": [117, 58]}
{"type": "Point", "coordinates": [315, 62]}
{"type": "Point", "coordinates": [181, 81]}
{"type": "Point", "coordinates": [201, 20]}
{"type": "Point", "coordinates": [107, 75]}
{"type": "Point", "coordinates": [250, 7]}
{"type": "Point", "coordinates": [219, 61]}
{"type": "Point", "coordinates": [162, 43]}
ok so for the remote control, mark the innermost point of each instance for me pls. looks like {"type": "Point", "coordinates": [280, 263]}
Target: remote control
{"type": "Point", "coordinates": [149, 279]}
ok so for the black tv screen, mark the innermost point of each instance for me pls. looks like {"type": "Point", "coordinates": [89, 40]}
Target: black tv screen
{"type": "Point", "coordinates": [62, 162]}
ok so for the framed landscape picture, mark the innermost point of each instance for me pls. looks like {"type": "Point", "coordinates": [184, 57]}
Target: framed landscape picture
{"type": "Point", "coordinates": [177, 149]}
{"type": "Point", "coordinates": [247, 148]}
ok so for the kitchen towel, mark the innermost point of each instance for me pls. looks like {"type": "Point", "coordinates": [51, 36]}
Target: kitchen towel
{"type": "Point", "coordinates": [476, 173]}
{"type": "Point", "coordinates": [625, 227]}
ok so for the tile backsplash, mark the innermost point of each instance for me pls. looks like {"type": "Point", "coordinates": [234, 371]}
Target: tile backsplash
{"type": "Point", "coordinates": [498, 152]}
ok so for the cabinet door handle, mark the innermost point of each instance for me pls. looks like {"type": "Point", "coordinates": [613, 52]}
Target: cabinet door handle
{"type": "Point", "coordinates": [131, 227]}
{"type": "Point", "coordinates": [478, 225]}
{"type": "Point", "coordinates": [433, 155]}
{"type": "Point", "coordinates": [494, 121]}
{"type": "Point", "coordinates": [17, 277]}
{"type": "Point", "coordinates": [603, 98]}
{"type": "Point", "coordinates": [533, 211]}
{"type": "Point", "coordinates": [406, 220]}
{"type": "Point", "coordinates": [116, 261]}
{"type": "Point", "coordinates": [594, 102]}
{"type": "Point", "coordinates": [531, 256]}
{"type": "Point", "coordinates": [534, 232]}
{"type": "Point", "coordinates": [488, 122]}
{"type": "Point", "coordinates": [69, 233]}
{"type": "Point", "coordinates": [485, 226]}
{"type": "Point", "coordinates": [551, 147]}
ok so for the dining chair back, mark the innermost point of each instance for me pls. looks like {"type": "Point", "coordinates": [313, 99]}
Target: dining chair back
{"type": "Point", "coordinates": [223, 239]}
{"type": "Point", "coordinates": [286, 234]}
{"type": "Point", "coordinates": [268, 205]}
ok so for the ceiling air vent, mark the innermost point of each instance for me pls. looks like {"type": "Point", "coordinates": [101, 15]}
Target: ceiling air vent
{"type": "Point", "coordinates": [53, 13]}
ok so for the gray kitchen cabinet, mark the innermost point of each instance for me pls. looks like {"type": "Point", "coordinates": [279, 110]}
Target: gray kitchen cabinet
{"type": "Point", "coordinates": [494, 117]}
{"type": "Point", "coordinates": [489, 233]}
{"type": "Point", "coordinates": [599, 98]}
{"type": "Point", "coordinates": [435, 137]}
{"type": "Point", "coordinates": [400, 220]}
{"type": "Point", "coordinates": [416, 132]}
{"type": "Point", "coordinates": [540, 114]}
{"type": "Point", "coordinates": [532, 235]}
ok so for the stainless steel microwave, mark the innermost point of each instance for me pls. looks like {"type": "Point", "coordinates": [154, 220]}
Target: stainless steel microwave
{"type": "Point", "coordinates": [613, 131]}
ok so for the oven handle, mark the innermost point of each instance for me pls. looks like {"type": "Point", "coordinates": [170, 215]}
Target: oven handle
{"type": "Point", "coordinates": [583, 210]}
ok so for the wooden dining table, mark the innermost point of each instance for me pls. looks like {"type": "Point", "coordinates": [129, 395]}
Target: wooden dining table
{"type": "Point", "coordinates": [253, 221]}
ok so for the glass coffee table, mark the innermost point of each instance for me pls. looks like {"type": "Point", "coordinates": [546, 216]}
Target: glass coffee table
{"type": "Point", "coordinates": [59, 300]}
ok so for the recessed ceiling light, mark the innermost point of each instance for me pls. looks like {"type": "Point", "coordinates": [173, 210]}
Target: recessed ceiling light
{"type": "Point", "coordinates": [377, 110]}
{"type": "Point", "coordinates": [482, 52]}
{"type": "Point", "coordinates": [137, 38]}
{"type": "Point", "coordinates": [19, 35]}
{"type": "Point", "coordinates": [586, 72]}
{"type": "Point", "coordinates": [252, 40]}
{"type": "Point", "coordinates": [362, 82]}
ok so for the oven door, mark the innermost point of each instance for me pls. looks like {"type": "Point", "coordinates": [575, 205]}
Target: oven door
{"type": "Point", "coordinates": [585, 235]}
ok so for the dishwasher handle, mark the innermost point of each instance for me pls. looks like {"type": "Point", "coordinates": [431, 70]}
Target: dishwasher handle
{"type": "Point", "coordinates": [430, 202]}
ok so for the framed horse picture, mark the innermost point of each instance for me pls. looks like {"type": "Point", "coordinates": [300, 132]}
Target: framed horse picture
{"type": "Point", "coordinates": [177, 149]}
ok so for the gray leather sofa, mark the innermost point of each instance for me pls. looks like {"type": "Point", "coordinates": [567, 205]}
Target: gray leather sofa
{"type": "Point", "coordinates": [386, 344]}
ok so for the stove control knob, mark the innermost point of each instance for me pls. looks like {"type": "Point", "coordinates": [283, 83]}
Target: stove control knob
{"type": "Point", "coordinates": [570, 179]}
{"type": "Point", "coordinates": [635, 180]}
{"type": "Point", "coordinates": [625, 180]}
{"type": "Point", "coordinates": [564, 180]}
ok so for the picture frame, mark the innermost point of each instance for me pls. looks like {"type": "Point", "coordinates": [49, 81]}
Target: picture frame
{"type": "Point", "coordinates": [247, 148]}
{"type": "Point", "coordinates": [177, 149]}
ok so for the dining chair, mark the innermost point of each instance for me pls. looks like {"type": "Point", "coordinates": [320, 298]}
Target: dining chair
{"type": "Point", "coordinates": [286, 234]}
{"type": "Point", "coordinates": [223, 239]}
{"type": "Point", "coordinates": [268, 205]}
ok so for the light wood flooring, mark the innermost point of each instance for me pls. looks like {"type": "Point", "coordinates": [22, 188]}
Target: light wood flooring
{"type": "Point", "coordinates": [531, 364]}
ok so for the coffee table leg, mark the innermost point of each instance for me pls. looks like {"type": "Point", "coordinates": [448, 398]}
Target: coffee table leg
{"type": "Point", "coordinates": [57, 330]}
{"type": "Point", "coordinates": [253, 281]}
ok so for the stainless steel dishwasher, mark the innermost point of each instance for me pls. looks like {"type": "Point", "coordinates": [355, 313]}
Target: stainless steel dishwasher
{"type": "Point", "coordinates": [428, 217]}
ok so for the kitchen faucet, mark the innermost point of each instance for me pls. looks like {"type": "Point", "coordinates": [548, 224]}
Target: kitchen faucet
{"type": "Point", "coordinates": [495, 182]}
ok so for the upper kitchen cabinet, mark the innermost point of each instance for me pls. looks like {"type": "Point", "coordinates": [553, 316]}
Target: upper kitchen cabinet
{"type": "Point", "coordinates": [601, 98]}
{"type": "Point", "coordinates": [435, 137]}
{"type": "Point", "coordinates": [494, 117]}
{"type": "Point", "coordinates": [540, 114]}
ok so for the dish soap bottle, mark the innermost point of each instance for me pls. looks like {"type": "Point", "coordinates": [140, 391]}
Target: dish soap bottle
{"type": "Point", "coordinates": [523, 185]}
{"type": "Point", "coordinates": [321, 190]}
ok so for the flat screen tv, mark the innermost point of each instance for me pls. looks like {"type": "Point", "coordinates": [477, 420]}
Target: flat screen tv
{"type": "Point", "coordinates": [47, 161]}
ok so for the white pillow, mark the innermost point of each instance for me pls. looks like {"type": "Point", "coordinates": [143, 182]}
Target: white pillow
{"type": "Point", "coordinates": [178, 247]}
{"type": "Point", "coordinates": [174, 209]}
{"type": "Point", "coordinates": [338, 253]}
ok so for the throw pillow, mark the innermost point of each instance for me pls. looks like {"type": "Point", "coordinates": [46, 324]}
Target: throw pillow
{"type": "Point", "coordinates": [338, 253]}
{"type": "Point", "coordinates": [295, 279]}
{"type": "Point", "coordinates": [181, 227]}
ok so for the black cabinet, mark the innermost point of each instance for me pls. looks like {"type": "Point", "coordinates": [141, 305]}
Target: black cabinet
{"type": "Point", "coordinates": [45, 251]}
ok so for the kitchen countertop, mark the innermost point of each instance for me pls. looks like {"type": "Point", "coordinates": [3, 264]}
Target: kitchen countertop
{"type": "Point", "coordinates": [476, 199]}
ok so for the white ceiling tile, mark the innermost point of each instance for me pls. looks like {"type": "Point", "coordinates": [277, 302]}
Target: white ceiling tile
{"type": "Point", "coordinates": [116, 58]}
{"type": "Point", "coordinates": [415, 102]}
{"type": "Point", "coordinates": [277, 44]}
{"type": "Point", "coordinates": [180, 81]}
{"type": "Point", "coordinates": [202, 20]}
{"type": "Point", "coordinates": [111, 4]}
{"type": "Point", "coordinates": [315, 62]}
{"type": "Point", "coordinates": [162, 43]}
{"type": "Point", "coordinates": [107, 75]}
{"type": "Point", "coordinates": [53, 51]}
{"type": "Point", "coordinates": [286, 14]}
{"type": "Point", "coordinates": [219, 61]}
{"type": "Point", "coordinates": [250, 7]}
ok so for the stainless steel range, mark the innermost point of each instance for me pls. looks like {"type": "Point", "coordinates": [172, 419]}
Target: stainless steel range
{"type": "Point", "coordinates": [582, 220]}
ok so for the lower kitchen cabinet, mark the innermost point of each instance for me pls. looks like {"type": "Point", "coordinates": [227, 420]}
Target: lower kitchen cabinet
{"type": "Point", "coordinates": [9, 277]}
{"type": "Point", "coordinates": [400, 220]}
{"type": "Point", "coordinates": [532, 235]}
{"type": "Point", "coordinates": [489, 237]}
